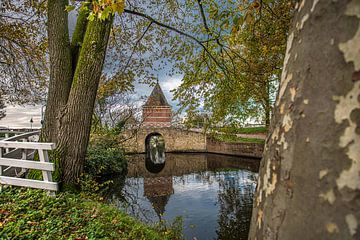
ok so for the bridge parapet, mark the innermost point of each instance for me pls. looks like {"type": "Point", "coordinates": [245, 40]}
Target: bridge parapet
{"type": "Point", "coordinates": [176, 140]}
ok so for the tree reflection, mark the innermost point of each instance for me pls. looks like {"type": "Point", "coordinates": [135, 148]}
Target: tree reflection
{"type": "Point", "coordinates": [235, 199]}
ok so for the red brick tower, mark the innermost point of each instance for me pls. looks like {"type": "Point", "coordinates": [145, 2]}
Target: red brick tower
{"type": "Point", "coordinates": [157, 111]}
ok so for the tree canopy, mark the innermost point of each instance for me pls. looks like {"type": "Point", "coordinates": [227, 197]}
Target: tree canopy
{"type": "Point", "coordinates": [23, 46]}
{"type": "Point", "coordinates": [235, 77]}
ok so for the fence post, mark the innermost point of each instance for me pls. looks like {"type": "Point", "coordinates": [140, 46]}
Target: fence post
{"type": "Point", "coordinates": [47, 177]}
{"type": "Point", "coordinates": [6, 136]}
{"type": "Point", "coordinates": [23, 156]}
{"type": "Point", "coordinates": [1, 151]}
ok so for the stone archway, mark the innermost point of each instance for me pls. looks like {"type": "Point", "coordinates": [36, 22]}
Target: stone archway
{"type": "Point", "coordinates": [155, 148]}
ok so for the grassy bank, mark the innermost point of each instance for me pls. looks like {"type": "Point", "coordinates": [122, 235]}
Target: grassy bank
{"type": "Point", "coordinates": [31, 214]}
{"type": "Point", "coordinates": [244, 130]}
{"type": "Point", "coordinates": [232, 138]}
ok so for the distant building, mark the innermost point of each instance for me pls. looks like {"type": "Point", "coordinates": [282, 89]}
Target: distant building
{"type": "Point", "coordinates": [157, 111]}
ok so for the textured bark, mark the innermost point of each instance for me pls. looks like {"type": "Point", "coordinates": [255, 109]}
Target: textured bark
{"type": "Point", "coordinates": [75, 121]}
{"type": "Point", "coordinates": [60, 67]}
{"type": "Point", "coordinates": [309, 180]}
{"type": "Point", "coordinates": [78, 36]}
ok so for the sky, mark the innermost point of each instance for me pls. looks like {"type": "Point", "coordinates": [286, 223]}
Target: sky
{"type": "Point", "coordinates": [19, 116]}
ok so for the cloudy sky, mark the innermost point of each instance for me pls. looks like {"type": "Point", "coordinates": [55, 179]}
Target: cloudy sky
{"type": "Point", "coordinates": [19, 116]}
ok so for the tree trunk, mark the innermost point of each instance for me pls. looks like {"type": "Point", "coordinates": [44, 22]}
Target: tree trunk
{"type": "Point", "coordinates": [309, 180]}
{"type": "Point", "coordinates": [60, 67]}
{"type": "Point", "coordinates": [75, 121]}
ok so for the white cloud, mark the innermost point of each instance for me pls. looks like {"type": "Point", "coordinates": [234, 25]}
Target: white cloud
{"type": "Point", "coordinates": [19, 117]}
{"type": "Point", "coordinates": [171, 83]}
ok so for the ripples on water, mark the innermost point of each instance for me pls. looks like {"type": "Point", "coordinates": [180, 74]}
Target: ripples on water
{"type": "Point", "coordinates": [212, 193]}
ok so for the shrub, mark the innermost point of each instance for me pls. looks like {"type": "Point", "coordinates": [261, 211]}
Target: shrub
{"type": "Point", "coordinates": [105, 158]}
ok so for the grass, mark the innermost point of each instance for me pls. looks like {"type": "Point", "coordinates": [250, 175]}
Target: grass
{"type": "Point", "coordinates": [31, 214]}
{"type": "Point", "coordinates": [252, 130]}
{"type": "Point", "coordinates": [232, 138]}
{"type": "Point", "coordinates": [245, 130]}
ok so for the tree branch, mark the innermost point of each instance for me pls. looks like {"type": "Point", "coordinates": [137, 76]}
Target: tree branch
{"type": "Point", "coordinates": [179, 32]}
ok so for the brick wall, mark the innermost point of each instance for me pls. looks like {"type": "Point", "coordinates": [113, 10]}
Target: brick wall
{"type": "Point", "coordinates": [236, 149]}
{"type": "Point", "coordinates": [157, 116]}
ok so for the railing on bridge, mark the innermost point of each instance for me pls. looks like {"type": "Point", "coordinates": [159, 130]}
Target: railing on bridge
{"type": "Point", "coordinates": [16, 156]}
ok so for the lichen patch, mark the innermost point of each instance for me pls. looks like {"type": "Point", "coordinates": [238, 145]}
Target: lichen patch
{"type": "Point", "coordinates": [301, 6]}
{"type": "Point", "coordinates": [323, 173]}
{"type": "Point", "coordinates": [259, 218]}
{"type": "Point", "coordinates": [328, 196]}
{"type": "Point", "coordinates": [353, 9]}
{"type": "Point", "coordinates": [352, 223]}
{"type": "Point", "coordinates": [285, 78]}
{"type": "Point", "coordinates": [351, 48]}
{"type": "Point", "coordinates": [292, 93]}
{"type": "Point", "coordinates": [332, 228]}
{"type": "Point", "coordinates": [350, 140]}
{"type": "Point", "coordinates": [314, 5]}
{"type": "Point", "coordinates": [287, 122]}
{"type": "Point", "coordinates": [303, 20]}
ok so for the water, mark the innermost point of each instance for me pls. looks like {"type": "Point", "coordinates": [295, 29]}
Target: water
{"type": "Point", "coordinates": [212, 193]}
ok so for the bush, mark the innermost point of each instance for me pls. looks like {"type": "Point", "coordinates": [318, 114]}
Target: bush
{"type": "Point", "coordinates": [105, 158]}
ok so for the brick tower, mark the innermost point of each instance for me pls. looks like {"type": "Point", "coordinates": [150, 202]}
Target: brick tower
{"type": "Point", "coordinates": [156, 111]}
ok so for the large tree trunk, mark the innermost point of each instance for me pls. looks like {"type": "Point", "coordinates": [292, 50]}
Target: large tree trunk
{"type": "Point", "coordinates": [60, 67]}
{"type": "Point", "coordinates": [75, 121]}
{"type": "Point", "coordinates": [309, 181]}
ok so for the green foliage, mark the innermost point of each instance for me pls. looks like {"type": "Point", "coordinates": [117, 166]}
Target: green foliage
{"type": "Point", "coordinates": [236, 74]}
{"type": "Point", "coordinates": [23, 45]}
{"type": "Point", "coordinates": [105, 157]}
{"type": "Point", "coordinates": [99, 9]}
{"type": "Point", "coordinates": [31, 214]}
{"type": "Point", "coordinates": [232, 138]}
{"type": "Point", "coordinates": [244, 130]}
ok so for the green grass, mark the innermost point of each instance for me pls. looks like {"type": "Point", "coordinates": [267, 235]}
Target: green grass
{"type": "Point", "coordinates": [31, 214]}
{"type": "Point", "coordinates": [231, 138]}
{"type": "Point", "coordinates": [252, 130]}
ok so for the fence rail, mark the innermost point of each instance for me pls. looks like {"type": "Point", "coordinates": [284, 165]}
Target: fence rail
{"type": "Point", "coordinates": [15, 154]}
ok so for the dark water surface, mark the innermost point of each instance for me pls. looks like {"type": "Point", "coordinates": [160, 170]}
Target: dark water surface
{"type": "Point", "coordinates": [212, 193]}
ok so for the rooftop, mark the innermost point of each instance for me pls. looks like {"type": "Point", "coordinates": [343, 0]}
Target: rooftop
{"type": "Point", "coordinates": [156, 98]}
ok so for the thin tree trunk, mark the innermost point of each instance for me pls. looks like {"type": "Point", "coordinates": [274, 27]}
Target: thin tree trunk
{"type": "Point", "coordinates": [75, 121]}
{"type": "Point", "coordinates": [60, 67]}
{"type": "Point", "coordinates": [309, 180]}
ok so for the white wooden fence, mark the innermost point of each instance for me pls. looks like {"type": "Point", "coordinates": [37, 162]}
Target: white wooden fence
{"type": "Point", "coordinates": [15, 154]}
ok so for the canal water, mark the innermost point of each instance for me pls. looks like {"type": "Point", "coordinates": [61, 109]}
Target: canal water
{"type": "Point", "coordinates": [212, 193]}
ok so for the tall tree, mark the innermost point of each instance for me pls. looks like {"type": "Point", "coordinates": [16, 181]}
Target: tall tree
{"type": "Point", "coordinates": [76, 67]}
{"type": "Point", "coordinates": [309, 181]}
{"type": "Point", "coordinates": [75, 72]}
{"type": "Point", "coordinates": [247, 46]}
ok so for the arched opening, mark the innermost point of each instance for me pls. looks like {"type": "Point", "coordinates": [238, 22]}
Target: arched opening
{"type": "Point", "coordinates": [155, 152]}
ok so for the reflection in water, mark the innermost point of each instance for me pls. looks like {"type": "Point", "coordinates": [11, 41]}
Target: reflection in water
{"type": "Point", "coordinates": [155, 148]}
{"type": "Point", "coordinates": [235, 199]}
{"type": "Point", "coordinates": [212, 193]}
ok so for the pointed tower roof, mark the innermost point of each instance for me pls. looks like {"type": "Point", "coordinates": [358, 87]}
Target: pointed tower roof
{"type": "Point", "coordinates": [157, 97]}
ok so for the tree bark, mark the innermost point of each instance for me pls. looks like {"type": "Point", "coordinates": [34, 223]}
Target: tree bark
{"type": "Point", "coordinates": [60, 67]}
{"type": "Point", "coordinates": [309, 180]}
{"type": "Point", "coordinates": [75, 121]}
{"type": "Point", "coordinates": [78, 36]}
